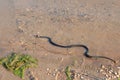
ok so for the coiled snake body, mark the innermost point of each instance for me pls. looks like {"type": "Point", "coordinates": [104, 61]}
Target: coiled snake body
{"type": "Point", "coordinates": [74, 45]}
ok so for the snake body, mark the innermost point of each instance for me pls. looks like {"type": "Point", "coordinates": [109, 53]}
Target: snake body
{"type": "Point", "coordinates": [74, 45]}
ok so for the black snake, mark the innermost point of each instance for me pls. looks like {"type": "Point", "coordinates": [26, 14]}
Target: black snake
{"type": "Point", "coordinates": [74, 45]}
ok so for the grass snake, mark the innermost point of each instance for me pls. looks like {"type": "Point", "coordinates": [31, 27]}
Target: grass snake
{"type": "Point", "coordinates": [74, 45]}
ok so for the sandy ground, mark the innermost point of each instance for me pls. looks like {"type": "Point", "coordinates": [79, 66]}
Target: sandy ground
{"type": "Point", "coordinates": [93, 23]}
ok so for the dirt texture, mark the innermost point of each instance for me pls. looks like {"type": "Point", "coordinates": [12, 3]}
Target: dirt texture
{"type": "Point", "coordinates": [95, 24]}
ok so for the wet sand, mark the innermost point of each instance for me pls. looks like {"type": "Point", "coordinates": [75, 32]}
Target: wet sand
{"type": "Point", "coordinates": [92, 23]}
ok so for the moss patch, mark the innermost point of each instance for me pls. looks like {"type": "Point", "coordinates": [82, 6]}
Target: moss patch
{"type": "Point", "coordinates": [18, 63]}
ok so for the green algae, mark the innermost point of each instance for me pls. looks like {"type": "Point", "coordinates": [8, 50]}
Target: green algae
{"type": "Point", "coordinates": [18, 63]}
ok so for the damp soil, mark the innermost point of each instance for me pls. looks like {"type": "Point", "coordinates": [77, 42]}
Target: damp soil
{"type": "Point", "coordinates": [95, 24]}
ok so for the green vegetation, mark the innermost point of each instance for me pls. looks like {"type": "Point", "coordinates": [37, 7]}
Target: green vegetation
{"type": "Point", "coordinates": [68, 73]}
{"type": "Point", "coordinates": [118, 78]}
{"type": "Point", "coordinates": [18, 63]}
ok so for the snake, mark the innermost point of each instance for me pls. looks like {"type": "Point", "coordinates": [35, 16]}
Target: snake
{"type": "Point", "coordinates": [74, 45]}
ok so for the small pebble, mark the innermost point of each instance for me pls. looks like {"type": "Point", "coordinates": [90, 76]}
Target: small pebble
{"type": "Point", "coordinates": [106, 75]}
{"type": "Point", "coordinates": [114, 77]}
{"type": "Point", "coordinates": [48, 69]}
{"type": "Point", "coordinates": [117, 76]}
{"type": "Point", "coordinates": [115, 73]}
{"type": "Point", "coordinates": [48, 73]}
{"type": "Point", "coordinates": [110, 72]}
{"type": "Point", "coordinates": [81, 77]}
{"type": "Point", "coordinates": [54, 74]}
{"type": "Point", "coordinates": [101, 70]}
{"type": "Point", "coordinates": [56, 70]}
{"type": "Point", "coordinates": [103, 66]}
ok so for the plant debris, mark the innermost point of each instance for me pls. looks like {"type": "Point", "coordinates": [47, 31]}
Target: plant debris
{"type": "Point", "coordinates": [18, 63]}
{"type": "Point", "coordinates": [68, 73]}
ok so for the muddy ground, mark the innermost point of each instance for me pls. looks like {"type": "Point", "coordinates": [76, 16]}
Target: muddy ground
{"type": "Point", "coordinates": [95, 24]}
